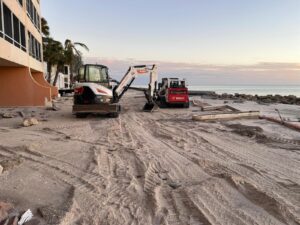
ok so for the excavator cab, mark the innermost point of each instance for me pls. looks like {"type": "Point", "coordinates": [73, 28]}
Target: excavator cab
{"type": "Point", "coordinates": [90, 73]}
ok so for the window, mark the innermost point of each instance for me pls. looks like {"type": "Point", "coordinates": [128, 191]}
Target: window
{"type": "Point", "coordinates": [21, 2]}
{"type": "Point", "coordinates": [96, 74]}
{"type": "Point", "coordinates": [16, 31]}
{"type": "Point", "coordinates": [33, 14]}
{"type": "Point", "coordinates": [81, 74]}
{"type": "Point", "coordinates": [31, 11]}
{"type": "Point", "coordinates": [34, 47]}
{"type": "Point", "coordinates": [11, 28]}
{"type": "Point", "coordinates": [174, 84]}
{"type": "Point", "coordinates": [8, 24]}
{"type": "Point", "coordinates": [22, 37]}
{"type": "Point", "coordinates": [27, 5]}
{"type": "Point", "coordinates": [39, 52]}
{"type": "Point", "coordinates": [38, 21]}
{"type": "Point", "coordinates": [33, 41]}
{"type": "Point", "coordinates": [1, 27]}
{"type": "Point", "coordinates": [29, 45]}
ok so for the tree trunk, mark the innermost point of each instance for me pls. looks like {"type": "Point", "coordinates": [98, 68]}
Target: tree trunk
{"type": "Point", "coordinates": [49, 72]}
{"type": "Point", "coordinates": [56, 75]}
{"type": "Point", "coordinates": [71, 73]}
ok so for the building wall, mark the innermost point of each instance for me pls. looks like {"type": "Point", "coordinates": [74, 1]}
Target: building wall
{"type": "Point", "coordinates": [21, 89]}
{"type": "Point", "coordinates": [21, 64]}
{"type": "Point", "coordinates": [11, 51]}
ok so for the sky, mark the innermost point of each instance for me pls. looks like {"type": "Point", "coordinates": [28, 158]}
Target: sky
{"type": "Point", "coordinates": [209, 42]}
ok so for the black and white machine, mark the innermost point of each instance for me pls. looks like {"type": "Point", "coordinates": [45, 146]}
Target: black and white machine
{"type": "Point", "coordinates": [96, 92]}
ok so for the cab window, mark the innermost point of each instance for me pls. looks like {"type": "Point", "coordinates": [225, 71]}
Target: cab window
{"type": "Point", "coordinates": [96, 74]}
{"type": "Point", "coordinates": [81, 74]}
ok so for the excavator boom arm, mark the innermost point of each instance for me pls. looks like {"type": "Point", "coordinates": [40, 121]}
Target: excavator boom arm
{"type": "Point", "coordinates": [129, 77]}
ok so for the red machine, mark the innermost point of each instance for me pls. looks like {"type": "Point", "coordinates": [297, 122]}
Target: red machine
{"type": "Point", "coordinates": [173, 92]}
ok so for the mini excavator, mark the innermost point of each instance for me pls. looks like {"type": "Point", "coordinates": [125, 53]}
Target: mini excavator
{"type": "Point", "coordinates": [96, 92]}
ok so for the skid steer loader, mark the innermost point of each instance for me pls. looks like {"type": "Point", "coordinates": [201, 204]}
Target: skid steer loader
{"type": "Point", "coordinates": [96, 92]}
{"type": "Point", "coordinates": [173, 92]}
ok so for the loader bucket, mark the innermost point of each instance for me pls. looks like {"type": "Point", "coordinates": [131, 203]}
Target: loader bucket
{"type": "Point", "coordinates": [150, 107]}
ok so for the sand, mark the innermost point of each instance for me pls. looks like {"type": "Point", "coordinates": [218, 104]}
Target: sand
{"type": "Point", "coordinates": [152, 168]}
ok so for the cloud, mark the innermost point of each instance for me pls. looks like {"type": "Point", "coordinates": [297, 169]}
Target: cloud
{"type": "Point", "coordinates": [263, 73]}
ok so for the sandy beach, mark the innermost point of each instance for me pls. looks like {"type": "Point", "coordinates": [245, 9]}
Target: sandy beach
{"type": "Point", "coordinates": [152, 168]}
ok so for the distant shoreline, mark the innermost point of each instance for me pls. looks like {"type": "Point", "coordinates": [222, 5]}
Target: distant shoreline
{"type": "Point", "coordinates": [261, 99]}
{"type": "Point", "coordinates": [261, 90]}
{"type": "Point", "coordinates": [237, 97]}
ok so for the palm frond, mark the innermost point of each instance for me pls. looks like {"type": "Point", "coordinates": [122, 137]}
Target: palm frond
{"type": "Point", "coordinates": [68, 43]}
{"type": "Point", "coordinates": [77, 52]}
{"type": "Point", "coordinates": [45, 27]}
{"type": "Point", "coordinates": [81, 45]}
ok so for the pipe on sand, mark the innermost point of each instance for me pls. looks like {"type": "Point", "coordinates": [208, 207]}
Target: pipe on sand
{"type": "Point", "coordinates": [286, 124]}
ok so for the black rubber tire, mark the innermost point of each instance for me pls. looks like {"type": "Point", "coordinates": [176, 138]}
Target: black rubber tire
{"type": "Point", "coordinates": [81, 115]}
{"type": "Point", "coordinates": [163, 103]}
{"type": "Point", "coordinates": [186, 105]}
{"type": "Point", "coordinates": [114, 115]}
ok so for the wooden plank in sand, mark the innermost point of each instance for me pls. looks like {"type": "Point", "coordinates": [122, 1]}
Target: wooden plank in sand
{"type": "Point", "coordinates": [232, 108]}
{"type": "Point", "coordinates": [222, 107]}
{"type": "Point", "coordinates": [227, 116]}
{"type": "Point", "coordinates": [213, 108]}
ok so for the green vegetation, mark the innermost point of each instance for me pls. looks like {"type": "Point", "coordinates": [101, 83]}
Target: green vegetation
{"type": "Point", "coordinates": [57, 54]}
{"type": "Point", "coordinates": [71, 52]}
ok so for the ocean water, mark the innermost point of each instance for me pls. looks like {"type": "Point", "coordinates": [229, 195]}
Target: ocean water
{"type": "Point", "coordinates": [253, 90]}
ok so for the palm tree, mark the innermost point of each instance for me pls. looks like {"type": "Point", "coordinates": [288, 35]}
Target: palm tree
{"type": "Point", "coordinates": [45, 27]}
{"type": "Point", "coordinates": [56, 54]}
{"type": "Point", "coordinates": [53, 54]}
{"type": "Point", "coordinates": [48, 47]}
{"type": "Point", "coordinates": [71, 52]}
{"type": "Point", "coordinates": [60, 62]}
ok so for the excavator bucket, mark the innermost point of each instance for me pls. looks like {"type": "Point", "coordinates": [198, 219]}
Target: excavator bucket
{"type": "Point", "coordinates": [150, 107]}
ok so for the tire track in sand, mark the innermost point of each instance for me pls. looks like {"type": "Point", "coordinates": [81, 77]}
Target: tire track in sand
{"type": "Point", "coordinates": [75, 177]}
{"type": "Point", "coordinates": [171, 146]}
